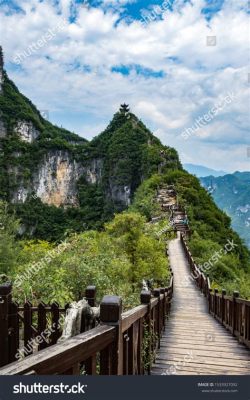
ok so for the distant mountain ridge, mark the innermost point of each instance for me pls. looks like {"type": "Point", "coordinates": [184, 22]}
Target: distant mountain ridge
{"type": "Point", "coordinates": [200, 170]}
{"type": "Point", "coordinates": [231, 193]}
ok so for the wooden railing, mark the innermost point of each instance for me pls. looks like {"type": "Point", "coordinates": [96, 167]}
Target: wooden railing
{"type": "Point", "coordinates": [231, 311]}
{"type": "Point", "coordinates": [123, 344]}
{"type": "Point", "coordinates": [27, 328]}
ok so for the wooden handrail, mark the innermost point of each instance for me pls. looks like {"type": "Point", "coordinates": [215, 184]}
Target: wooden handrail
{"type": "Point", "coordinates": [22, 325]}
{"type": "Point", "coordinates": [119, 345]}
{"type": "Point", "coordinates": [62, 357]}
{"type": "Point", "coordinates": [131, 316]}
{"type": "Point", "coordinates": [231, 311]}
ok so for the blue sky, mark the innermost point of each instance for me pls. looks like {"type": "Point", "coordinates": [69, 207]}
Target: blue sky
{"type": "Point", "coordinates": [153, 55]}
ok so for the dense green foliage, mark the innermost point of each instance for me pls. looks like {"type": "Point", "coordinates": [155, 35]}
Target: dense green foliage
{"type": "Point", "coordinates": [115, 260]}
{"type": "Point", "coordinates": [49, 222]}
{"type": "Point", "coordinates": [9, 248]}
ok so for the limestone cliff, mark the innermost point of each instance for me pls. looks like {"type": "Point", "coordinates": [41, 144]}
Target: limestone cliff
{"type": "Point", "coordinates": [26, 131]}
{"type": "Point", "coordinates": [55, 178]}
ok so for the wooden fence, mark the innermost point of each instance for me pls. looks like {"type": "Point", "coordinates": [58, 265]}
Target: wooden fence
{"type": "Point", "coordinates": [123, 343]}
{"type": "Point", "coordinates": [231, 311]}
{"type": "Point", "coordinates": [26, 329]}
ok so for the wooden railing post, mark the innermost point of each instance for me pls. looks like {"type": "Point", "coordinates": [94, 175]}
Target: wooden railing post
{"type": "Point", "coordinates": [145, 296]}
{"type": "Point", "coordinates": [223, 294]}
{"type": "Point", "coordinates": [247, 324]}
{"type": "Point", "coordinates": [13, 319]}
{"type": "Point", "coordinates": [215, 301]}
{"type": "Point", "coordinates": [163, 308]}
{"type": "Point", "coordinates": [110, 314]}
{"type": "Point", "coordinates": [207, 286]}
{"type": "Point", "coordinates": [157, 294]}
{"type": "Point", "coordinates": [90, 294]}
{"type": "Point", "coordinates": [210, 301]}
{"type": "Point", "coordinates": [27, 323]}
{"type": "Point", "coordinates": [41, 324]}
{"type": "Point", "coordinates": [146, 299]}
{"type": "Point", "coordinates": [234, 312]}
{"type": "Point", "coordinates": [172, 288]}
{"type": "Point", "coordinates": [55, 318]}
{"type": "Point", "coordinates": [5, 303]}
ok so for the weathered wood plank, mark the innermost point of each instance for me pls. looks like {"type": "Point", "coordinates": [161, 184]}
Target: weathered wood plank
{"type": "Point", "coordinates": [197, 336]}
{"type": "Point", "coordinates": [207, 353]}
{"type": "Point", "coordinates": [205, 360]}
{"type": "Point", "coordinates": [198, 369]}
{"type": "Point", "coordinates": [205, 347]}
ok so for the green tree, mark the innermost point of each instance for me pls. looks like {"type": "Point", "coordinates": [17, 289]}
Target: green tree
{"type": "Point", "coordinates": [128, 228]}
{"type": "Point", "coordinates": [9, 248]}
{"type": "Point", "coordinates": [144, 250]}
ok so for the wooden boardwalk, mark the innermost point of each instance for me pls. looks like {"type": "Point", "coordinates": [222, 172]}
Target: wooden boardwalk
{"type": "Point", "coordinates": [194, 343]}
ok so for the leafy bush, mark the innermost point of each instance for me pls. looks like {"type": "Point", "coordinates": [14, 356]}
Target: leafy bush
{"type": "Point", "coordinates": [9, 248]}
{"type": "Point", "coordinates": [115, 260]}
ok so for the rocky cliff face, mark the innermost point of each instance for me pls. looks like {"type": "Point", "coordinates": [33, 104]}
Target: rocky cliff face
{"type": "Point", "coordinates": [26, 131]}
{"type": "Point", "coordinates": [54, 180]}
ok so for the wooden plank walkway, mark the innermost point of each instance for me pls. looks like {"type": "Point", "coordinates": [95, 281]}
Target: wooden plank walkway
{"type": "Point", "coordinates": [194, 343]}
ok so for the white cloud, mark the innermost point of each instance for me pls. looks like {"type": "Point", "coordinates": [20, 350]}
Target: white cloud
{"type": "Point", "coordinates": [71, 75]}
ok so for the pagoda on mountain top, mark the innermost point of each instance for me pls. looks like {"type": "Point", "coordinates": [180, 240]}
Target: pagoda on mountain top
{"type": "Point", "coordinates": [124, 108]}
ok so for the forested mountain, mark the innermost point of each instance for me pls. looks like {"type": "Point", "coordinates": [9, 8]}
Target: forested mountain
{"type": "Point", "coordinates": [50, 174]}
{"type": "Point", "coordinates": [232, 194]}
